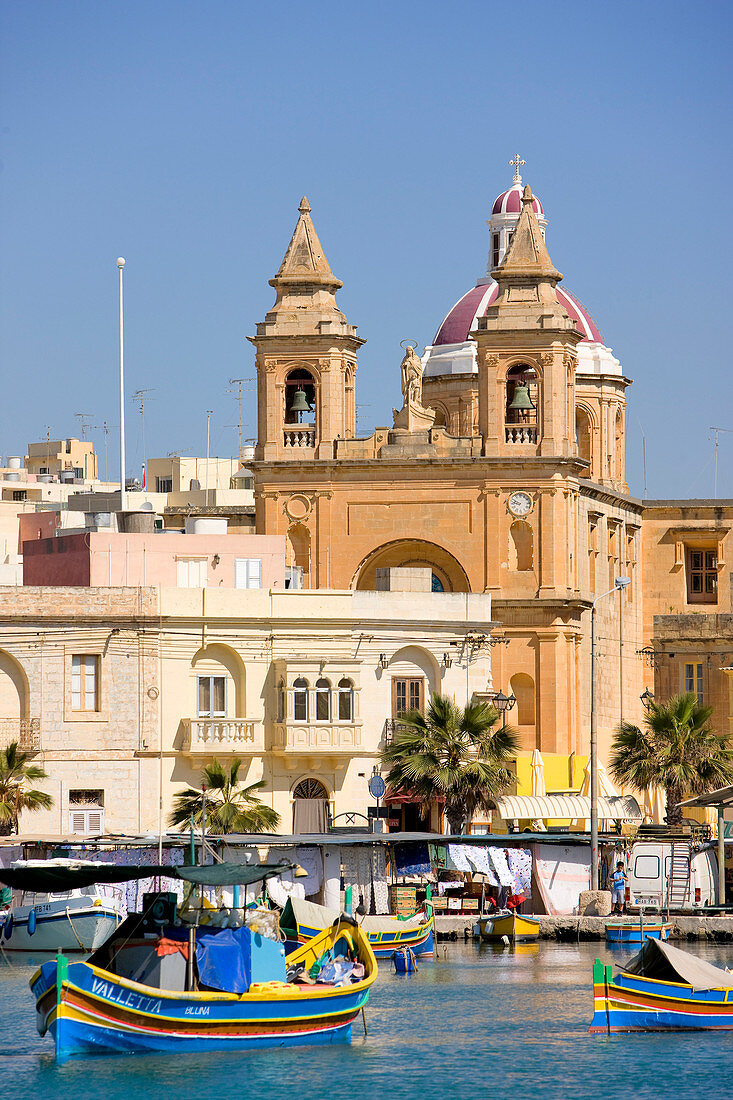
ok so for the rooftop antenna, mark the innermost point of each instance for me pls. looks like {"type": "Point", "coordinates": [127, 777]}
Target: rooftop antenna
{"type": "Point", "coordinates": [140, 397]}
{"type": "Point", "coordinates": [123, 501]}
{"type": "Point", "coordinates": [84, 419]}
{"type": "Point", "coordinates": [106, 428]}
{"type": "Point", "coordinates": [239, 382]}
{"type": "Point", "coordinates": [643, 452]}
{"type": "Point", "coordinates": [209, 414]}
{"type": "Point", "coordinates": [717, 432]}
{"type": "Point", "coordinates": [356, 418]}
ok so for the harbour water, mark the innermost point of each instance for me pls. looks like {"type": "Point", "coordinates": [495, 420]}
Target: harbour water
{"type": "Point", "coordinates": [476, 1022]}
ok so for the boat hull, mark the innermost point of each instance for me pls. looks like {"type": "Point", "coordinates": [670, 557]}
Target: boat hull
{"type": "Point", "coordinates": [420, 940]}
{"type": "Point", "coordinates": [512, 926]}
{"type": "Point", "coordinates": [90, 1010]}
{"type": "Point", "coordinates": [78, 930]}
{"type": "Point", "coordinates": [636, 933]}
{"type": "Point", "coordinates": [634, 1003]}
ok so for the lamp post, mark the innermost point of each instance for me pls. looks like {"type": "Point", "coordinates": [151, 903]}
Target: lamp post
{"type": "Point", "coordinates": [503, 703]}
{"type": "Point", "coordinates": [619, 584]}
{"type": "Point", "coordinates": [647, 698]}
{"type": "Point", "coordinates": [120, 266]}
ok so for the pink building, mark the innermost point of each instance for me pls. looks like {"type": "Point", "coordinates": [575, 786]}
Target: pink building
{"type": "Point", "coordinates": [100, 559]}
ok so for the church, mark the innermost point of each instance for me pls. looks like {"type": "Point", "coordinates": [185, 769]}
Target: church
{"type": "Point", "coordinates": [502, 473]}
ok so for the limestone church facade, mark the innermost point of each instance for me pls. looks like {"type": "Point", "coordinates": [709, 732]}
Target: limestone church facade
{"type": "Point", "coordinates": [504, 473]}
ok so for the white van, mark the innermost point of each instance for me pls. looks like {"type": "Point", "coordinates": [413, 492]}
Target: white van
{"type": "Point", "coordinates": [695, 881]}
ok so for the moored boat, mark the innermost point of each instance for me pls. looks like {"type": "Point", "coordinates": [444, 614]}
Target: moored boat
{"type": "Point", "coordinates": [511, 926]}
{"type": "Point", "coordinates": [636, 931]}
{"type": "Point", "coordinates": [301, 920]}
{"type": "Point", "coordinates": [662, 988]}
{"type": "Point", "coordinates": [74, 920]}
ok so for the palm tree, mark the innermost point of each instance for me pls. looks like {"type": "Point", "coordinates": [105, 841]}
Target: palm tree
{"type": "Point", "coordinates": [676, 750]}
{"type": "Point", "coordinates": [230, 807]}
{"type": "Point", "coordinates": [451, 753]}
{"type": "Point", "coordinates": [16, 794]}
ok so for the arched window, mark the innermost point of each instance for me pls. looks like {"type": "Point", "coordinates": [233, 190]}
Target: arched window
{"type": "Point", "coordinates": [583, 434]}
{"type": "Point", "coordinates": [323, 700]}
{"type": "Point", "coordinates": [299, 381]}
{"type": "Point", "coordinates": [300, 700]}
{"type": "Point", "coordinates": [346, 700]}
{"type": "Point", "coordinates": [520, 546]}
{"type": "Point", "coordinates": [522, 687]}
{"type": "Point", "coordinates": [436, 584]}
{"type": "Point", "coordinates": [619, 433]}
{"type": "Point", "coordinates": [310, 788]}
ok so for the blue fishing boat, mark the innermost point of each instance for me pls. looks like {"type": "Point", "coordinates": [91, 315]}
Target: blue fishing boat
{"type": "Point", "coordinates": [662, 989]}
{"type": "Point", "coordinates": [630, 932]}
{"type": "Point", "coordinates": [161, 984]}
{"type": "Point", "coordinates": [301, 920]}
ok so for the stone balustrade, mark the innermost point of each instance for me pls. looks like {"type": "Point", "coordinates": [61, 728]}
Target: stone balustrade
{"type": "Point", "coordinates": [521, 433]}
{"type": "Point", "coordinates": [212, 736]}
{"type": "Point", "coordinates": [299, 437]}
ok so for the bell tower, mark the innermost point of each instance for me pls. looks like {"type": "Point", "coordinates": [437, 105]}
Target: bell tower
{"type": "Point", "coordinates": [306, 356]}
{"type": "Point", "coordinates": [526, 352]}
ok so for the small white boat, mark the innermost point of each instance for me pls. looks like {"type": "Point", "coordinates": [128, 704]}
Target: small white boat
{"type": "Point", "coordinates": [77, 920]}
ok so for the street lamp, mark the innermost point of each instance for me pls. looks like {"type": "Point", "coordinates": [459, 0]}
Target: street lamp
{"type": "Point", "coordinates": [619, 584]}
{"type": "Point", "coordinates": [503, 703]}
{"type": "Point", "coordinates": [647, 698]}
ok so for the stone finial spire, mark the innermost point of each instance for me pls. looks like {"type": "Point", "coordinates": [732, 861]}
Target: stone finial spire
{"type": "Point", "coordinates": [527, 256]}
{"type": "Point", "coordinates": [304, 262]}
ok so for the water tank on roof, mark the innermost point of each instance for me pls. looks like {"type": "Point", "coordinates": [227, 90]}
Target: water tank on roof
{"type": "Point", "coordinates": [194, 484]}
{"type": "Point", "coordinates": [14, 463]}
{"type": "Point", "coordinates": [12, 477]}
{"type": "Point", "coordinates": [206, 525]}
{"type": "Point", "coordinates": [138, 522]}
{"type": "Point", "coordinates": [45, 478]}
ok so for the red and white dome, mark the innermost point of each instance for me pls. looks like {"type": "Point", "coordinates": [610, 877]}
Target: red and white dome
{"type": "Point", "coordinates": [464, 316]}
{"type": "Point", "coordinates": [510, 202]}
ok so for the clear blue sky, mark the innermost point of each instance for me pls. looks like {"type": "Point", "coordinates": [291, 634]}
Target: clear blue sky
{"type": "Point", "coordinates": [182, 135]}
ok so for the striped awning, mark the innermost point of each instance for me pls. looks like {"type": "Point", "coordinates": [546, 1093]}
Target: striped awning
{"type": "Point", "coordinates": [566, 807]}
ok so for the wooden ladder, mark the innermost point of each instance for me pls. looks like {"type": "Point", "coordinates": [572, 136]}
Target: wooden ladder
{"type": "Point", "coordinates": [678, 879]}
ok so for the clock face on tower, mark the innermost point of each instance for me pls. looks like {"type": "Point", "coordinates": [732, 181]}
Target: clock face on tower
{"type": "Point", "coordinates": [520, 504]}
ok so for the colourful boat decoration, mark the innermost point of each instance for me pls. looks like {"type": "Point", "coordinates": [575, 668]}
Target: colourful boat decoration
{"type": "Point", "coordinates": [88, 1008]}
{"type": "Point", "coordinates": [662, 989]}
{"type": "Point", "coordinates": [511, 926]}
{"type": "Point", "coordinates": [636, 931]}
{"type": "Point", "coordinates": [301, 920]}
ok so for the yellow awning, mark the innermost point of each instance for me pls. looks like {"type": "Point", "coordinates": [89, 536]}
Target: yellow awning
{"type": "Point", "coordinates": [566, 807]}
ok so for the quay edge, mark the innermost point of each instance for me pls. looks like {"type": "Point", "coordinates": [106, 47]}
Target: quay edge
{"type": "Point", "coordinates": [715, 929]}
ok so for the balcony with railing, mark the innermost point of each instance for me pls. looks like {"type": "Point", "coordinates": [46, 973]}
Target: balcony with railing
{"type": "Point", "coordinates": [26, 731]}
{"type": "Point", "coordinates": [220, 737]}
{"type": "Point", "coordinates": [392, 726]}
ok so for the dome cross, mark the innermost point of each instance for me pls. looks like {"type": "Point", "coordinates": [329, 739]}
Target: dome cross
{"type": "Point", "coordinates": [516, 162]}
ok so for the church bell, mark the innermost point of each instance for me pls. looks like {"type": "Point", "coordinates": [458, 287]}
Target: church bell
{"type": "Point", "coordinates": [521, 401]}
{"type": "Point", "coordinates": [300, 402]}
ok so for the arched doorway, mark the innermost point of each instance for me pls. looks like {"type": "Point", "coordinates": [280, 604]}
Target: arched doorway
{"type": "Point", "coordinates": [310, 806]}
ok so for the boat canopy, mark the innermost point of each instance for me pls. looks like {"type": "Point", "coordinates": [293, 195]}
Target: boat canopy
{"type": "Point", "coordinates": [55, 879]}
{"type": "Point", "coordinates": [566, 807]}
{"type": "Point", "coordinates": [660, 960]}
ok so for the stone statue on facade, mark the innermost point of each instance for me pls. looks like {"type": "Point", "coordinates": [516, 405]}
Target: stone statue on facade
{"type": "Point", "coordinates": [413, 416]}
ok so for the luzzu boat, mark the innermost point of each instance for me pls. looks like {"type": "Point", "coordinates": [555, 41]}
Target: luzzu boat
{"type": "Point", "coordinates": [510, 925]}
{"type": "Point", "coordinates": [636, 931]}
{"type": "Point", "coordinates": [301, 920]}
{"type": "Point", "coordinates": [160, 985]}
{"type": "Point", "coordinates": [662, 989]}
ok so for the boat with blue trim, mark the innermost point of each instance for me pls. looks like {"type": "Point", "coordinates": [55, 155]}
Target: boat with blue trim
{"type": "Point", "coordinates": [662, 988]}
{"type": "Point", "coordinates": [300, 920]}
{"type": "Point", "coordinates": [164, 981]}
{"type": "Point", "coordinates": [630, 932]}
{"type": "Point", "coordinates": [74, 920]}
{"type": "Point", "coordinates": [508, 925]}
